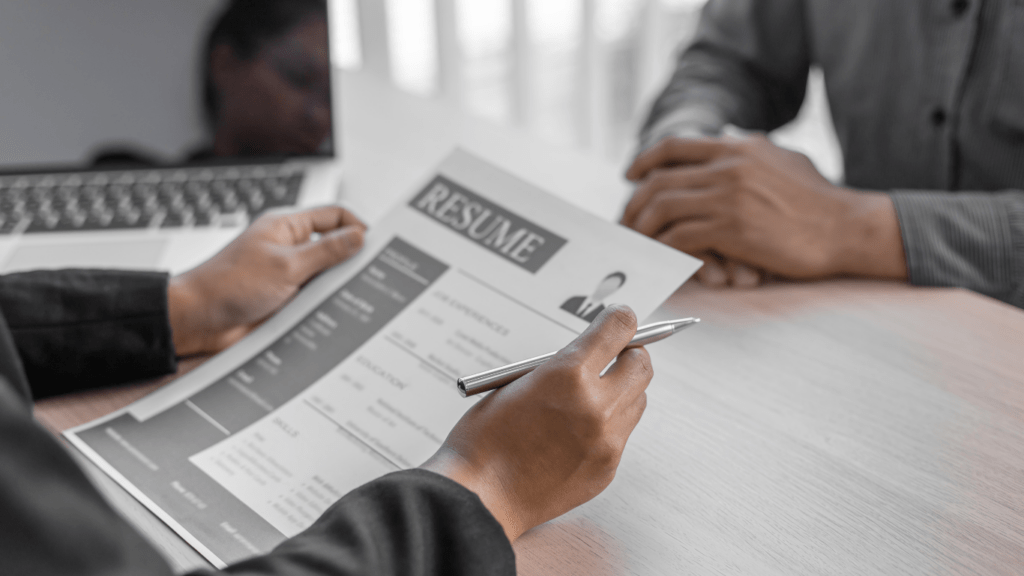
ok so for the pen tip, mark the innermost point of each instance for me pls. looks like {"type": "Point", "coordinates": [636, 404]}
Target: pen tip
{"type": "Point", "coordinates": [680, 325]}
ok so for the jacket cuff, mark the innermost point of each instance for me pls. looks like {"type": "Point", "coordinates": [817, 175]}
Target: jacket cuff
{"type": "Point", "coordinates": [79, 329]}
{"type": "Point", "coordinates": [409, 522]}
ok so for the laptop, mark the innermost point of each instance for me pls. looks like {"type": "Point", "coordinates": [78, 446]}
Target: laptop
{"type": "Point", "coordinates": [147, 134]}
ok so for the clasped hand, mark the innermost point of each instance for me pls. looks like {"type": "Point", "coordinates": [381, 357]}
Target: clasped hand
{"type": "Point", "coordinates": [748, 207]}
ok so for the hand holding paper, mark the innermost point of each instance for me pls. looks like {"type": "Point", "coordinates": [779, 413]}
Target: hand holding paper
{"type": "Point", "coordinates": [220, 301]}
{"type": "Point", "coordinates": [354, 377]}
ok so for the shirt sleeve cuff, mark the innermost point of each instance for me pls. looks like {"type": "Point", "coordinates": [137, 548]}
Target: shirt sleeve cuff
{"type": "Point", "coordinates": [691, 121]}
{"type": "Point", "coordinates": [962, 239]}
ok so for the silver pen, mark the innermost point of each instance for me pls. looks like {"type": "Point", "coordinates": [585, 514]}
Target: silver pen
{"type": "Point", "coordinates": [498, 377]}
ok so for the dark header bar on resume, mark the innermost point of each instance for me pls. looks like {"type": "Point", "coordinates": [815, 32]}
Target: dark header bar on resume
{"type": "Point", "coordinates": [512, 237]}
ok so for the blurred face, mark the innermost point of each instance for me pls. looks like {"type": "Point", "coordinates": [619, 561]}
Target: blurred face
{"type": "Point", "coordinates": [279, 101]}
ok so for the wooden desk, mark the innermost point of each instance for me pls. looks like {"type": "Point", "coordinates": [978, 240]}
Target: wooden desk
{"type": "Point", "coordinates": [841, 428]}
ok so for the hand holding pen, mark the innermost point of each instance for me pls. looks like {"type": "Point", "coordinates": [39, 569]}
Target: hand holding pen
{"type": "Point", "coordinates": [498, 377]}
{"type": "Point", "coordinates": [538, 449]}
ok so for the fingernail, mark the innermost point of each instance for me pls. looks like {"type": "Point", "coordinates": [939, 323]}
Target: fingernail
{"type": "Point", "coordinates": [353, 238]}
{"type": "Point", "coordinates": [744, 277]}
{"type": "Point", "coordinates": [616, 308]}
{"type": "Point", "coordinates": [714, 276]}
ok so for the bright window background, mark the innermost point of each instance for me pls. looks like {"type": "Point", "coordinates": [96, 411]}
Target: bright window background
{"type": "Point", "coordinates": [580, 73]}
{"type": "Point", "coordinates": [345, 38]}
{"type": "Point", "coordinates": [554, 31]}
{"type": "Point", "coordinates": [412, 41]}
{"type": "Point", "coordinates": [485, 38]}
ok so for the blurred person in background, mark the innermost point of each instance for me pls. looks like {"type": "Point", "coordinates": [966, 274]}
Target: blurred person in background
{"type": "Point", "coordinates": [266, 85]}
{"type": "Point", "coordinates": [267, 79]}
{"type": "Point", "coordinates": [928, 103]}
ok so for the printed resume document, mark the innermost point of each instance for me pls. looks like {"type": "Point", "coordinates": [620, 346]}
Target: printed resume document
{"type": "Point", "coordinates": [356, 377]}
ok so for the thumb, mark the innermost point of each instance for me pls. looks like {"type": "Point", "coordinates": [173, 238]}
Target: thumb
{"type": "Point", "coordinates": [329, 250]}
{"type": "Point", "coordinates": [604, 339]}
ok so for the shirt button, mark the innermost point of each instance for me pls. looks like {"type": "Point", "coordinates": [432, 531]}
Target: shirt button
{"type": "Point", "coordinates": [960, 6]}
{"type": "Point", "coordinates": [938, 117]}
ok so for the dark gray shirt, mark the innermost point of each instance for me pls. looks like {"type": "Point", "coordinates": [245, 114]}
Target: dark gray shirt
{"type": "Point", "coordinates": [927, 97]}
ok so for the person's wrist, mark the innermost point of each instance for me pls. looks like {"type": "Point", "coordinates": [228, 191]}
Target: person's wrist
{"type": "Point", "coordinates": [866, 239]}
{"type": "Point", "coordinates": [453, 466]}
{"type": "Point", "coordinates": [183, 304]}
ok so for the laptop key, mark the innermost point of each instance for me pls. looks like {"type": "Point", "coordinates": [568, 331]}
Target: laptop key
{"type": "Point", "coordinates": [172, 220]}
{"type": "Point", "coordinates": [99, 220]}
{"type": "Point", "coordinates": [157, 219]}
{"type": "Point", "coordinates": [229, 201]}
{"type": "Point", "coordinates": [77, 219]}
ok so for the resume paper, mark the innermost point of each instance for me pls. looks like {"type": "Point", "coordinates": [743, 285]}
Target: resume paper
{"type": "Point", "coordinates": [356, 377]}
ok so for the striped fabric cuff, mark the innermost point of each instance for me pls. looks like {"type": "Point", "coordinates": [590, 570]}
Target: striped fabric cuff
{"type": "Point", "coordinates": [691, 121]}
{"type": "Point", "coordinates": [963, 239]}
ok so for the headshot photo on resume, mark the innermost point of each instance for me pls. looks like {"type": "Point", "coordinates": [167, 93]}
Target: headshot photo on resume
{"type": "Point", "coordinates": [588, 307]}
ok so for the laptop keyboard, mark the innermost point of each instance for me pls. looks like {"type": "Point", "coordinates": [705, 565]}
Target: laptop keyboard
{"type": "Point", "coordinates": [143, 198]}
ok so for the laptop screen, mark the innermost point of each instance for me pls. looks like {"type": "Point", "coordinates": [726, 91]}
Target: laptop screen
{"type": "Point", "coordinates": [140, 83]}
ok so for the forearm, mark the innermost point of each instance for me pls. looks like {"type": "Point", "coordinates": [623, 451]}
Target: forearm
{"type": "Point", "coordinates": [687, 118]}
{"type": "Point", "coordinates": [710, 88]}
{"type": "Point", "coordinates": [77, 329]}
{"type": "Point", "coordinates": [747, 66]}
{"type": "Point", "coordinates": [971, 240]}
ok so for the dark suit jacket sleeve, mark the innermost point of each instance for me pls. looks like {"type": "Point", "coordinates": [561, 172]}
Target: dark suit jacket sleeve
{"type": "Point", "coordinates": [54, 522]}
{"type": "Point", "coordinates": [79, 329]}
{"type": "Point", "coordinates": [413, 523]}
{"type": "Point", "coordinates": [972, 240]}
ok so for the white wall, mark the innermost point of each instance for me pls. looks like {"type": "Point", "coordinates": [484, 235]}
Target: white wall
{"type": "Point", "coordinates": [77, 74]}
